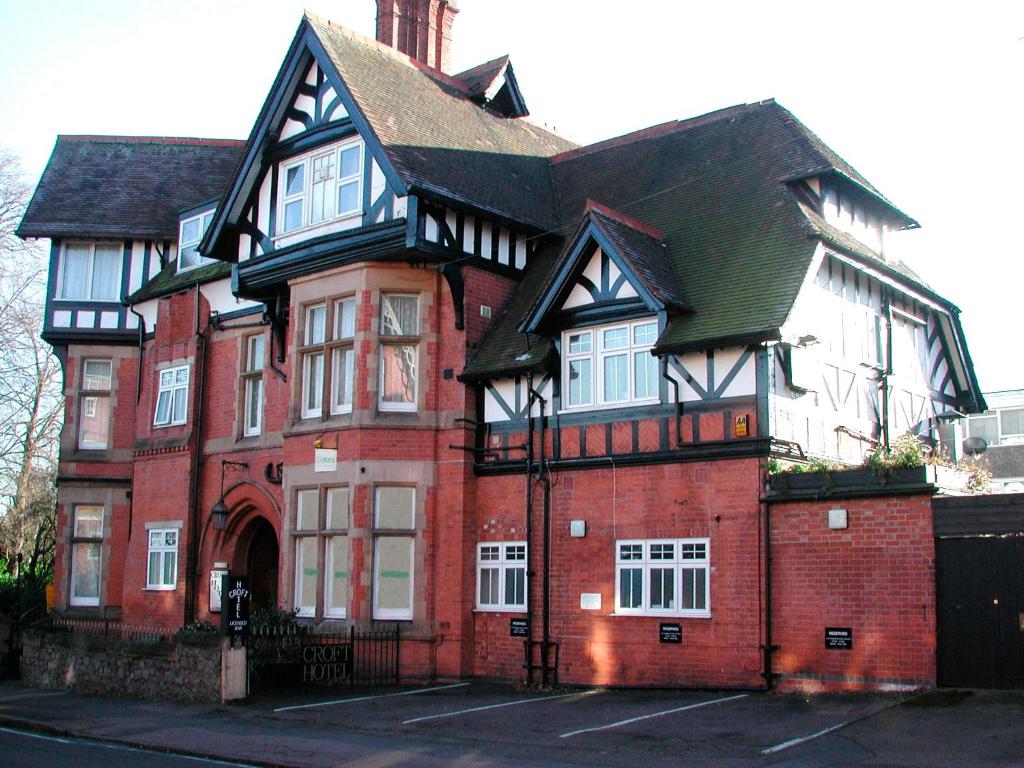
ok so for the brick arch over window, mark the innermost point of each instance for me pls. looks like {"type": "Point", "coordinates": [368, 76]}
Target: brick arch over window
{"type": "Point", "coordinates": [247, 502]}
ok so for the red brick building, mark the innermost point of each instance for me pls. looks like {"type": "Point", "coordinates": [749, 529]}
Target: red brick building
{"type": "Point", "coordinates": [405, 356]}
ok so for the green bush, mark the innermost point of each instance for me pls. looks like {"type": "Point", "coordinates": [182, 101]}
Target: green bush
{"type": "Point", "coordinates": [272, 617]}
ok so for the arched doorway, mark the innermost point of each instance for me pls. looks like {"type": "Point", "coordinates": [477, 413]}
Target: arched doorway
{"type": "Point", "coordinates": [261, 564]}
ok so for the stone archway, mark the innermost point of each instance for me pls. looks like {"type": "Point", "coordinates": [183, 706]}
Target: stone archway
{"type": "Point", "coordinates": [262, 556]}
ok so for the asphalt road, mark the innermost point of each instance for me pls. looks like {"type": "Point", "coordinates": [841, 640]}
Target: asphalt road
{"type": "Point", "coordinates": [23, 749]}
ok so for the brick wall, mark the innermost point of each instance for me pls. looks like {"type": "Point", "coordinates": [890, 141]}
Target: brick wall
{"type": "Point", "coordinates": [718, 500]}
{"type": "Point", "coordinates": [876, 577]}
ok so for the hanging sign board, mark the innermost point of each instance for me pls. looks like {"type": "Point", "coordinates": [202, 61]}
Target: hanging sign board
{"type": "Point", "coordinates": [518, 627]}
{"type": "Point", "coordinates": [670, 633]}
{"type": "Point", "coordinates": [236, 600]}
{"type": "Point", "coordinates": [838, 638]}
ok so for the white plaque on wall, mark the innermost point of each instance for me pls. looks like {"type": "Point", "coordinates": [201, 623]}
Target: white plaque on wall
{"type": "Point", "coordinates": [216, 576]}
{"type": "Point", "coordinates": [590, 601]}
{"type": "Point", "coordinates": [325, 460]}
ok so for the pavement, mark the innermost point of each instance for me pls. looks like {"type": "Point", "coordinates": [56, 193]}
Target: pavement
{"type": "Point", "coordinates": [489, 724]}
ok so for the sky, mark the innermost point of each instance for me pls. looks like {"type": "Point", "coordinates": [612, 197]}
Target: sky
{"type": "Point", "coordinates": [924, 98]}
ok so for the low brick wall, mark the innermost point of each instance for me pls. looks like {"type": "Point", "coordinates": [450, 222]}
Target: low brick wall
{"type": "Point", "coordinates": [188, 669]}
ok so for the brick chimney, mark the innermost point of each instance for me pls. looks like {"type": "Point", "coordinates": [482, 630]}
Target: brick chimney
{"type": "Point", "coordinates": [421, 29]}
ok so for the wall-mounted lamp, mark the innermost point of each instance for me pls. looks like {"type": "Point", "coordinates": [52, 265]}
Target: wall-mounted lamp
{"type": "Point", "coordinates": [219, 513]}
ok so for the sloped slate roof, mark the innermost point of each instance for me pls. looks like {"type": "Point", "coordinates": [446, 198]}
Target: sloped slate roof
{"type": "Point", "coordinates": [738, 244]}
{"type": "Point", "coordinates": [121, 186]}
{"type": "Point", "coordinates": [438, 139]}
{"type": "Point", "coordinates": [168, 280]}
{"type": "Point", "coordinates": [479, 78]}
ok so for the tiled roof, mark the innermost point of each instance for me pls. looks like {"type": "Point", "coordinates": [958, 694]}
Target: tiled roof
{"type": "Point", "coordinates": [122, 186]}
{"type": "Point", "coordinates": [168, 280]}
{"type": "Point", "coordinates": [479, 78]}
{"type": "Point", "coordinates": [737, 242]}
{"type": "Point", "coordinates": [438, 139]}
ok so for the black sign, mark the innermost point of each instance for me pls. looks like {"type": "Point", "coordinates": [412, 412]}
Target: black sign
{"type": "Point", "coordinates": [839, 638]}
{"type": "Point", "coordinates": [235, 603]}
{"type": "Point", "coordinates": [670, 633]}
{"type": "Point", "coordinates": [518, 627]}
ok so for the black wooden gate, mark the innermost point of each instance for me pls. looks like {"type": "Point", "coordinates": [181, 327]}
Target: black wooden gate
{"type": "Point", "coordinates": [979, 566]}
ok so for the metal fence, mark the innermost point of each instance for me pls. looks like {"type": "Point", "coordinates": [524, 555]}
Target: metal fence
{"type": "Point", "coordinates": [294, 656]}
{"type": "Point", "coordinates": [111, 628]}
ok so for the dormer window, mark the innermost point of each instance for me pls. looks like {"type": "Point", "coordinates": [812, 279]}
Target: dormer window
{"type": "Point", "coordinates": [610, 365]}
{"type": "Point", "coordinates": [846, 212]}
{"type": "Point", "coordinates": [322, 186]}
{"type": "Point", "coordinates": [191, 232]}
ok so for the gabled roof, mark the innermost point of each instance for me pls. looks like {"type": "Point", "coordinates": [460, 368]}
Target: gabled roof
{"type": "Point", "coordinates": [126, 186]}
{"type": "Point", "coordinates": [479, 79]}
{"type": "Point", "coordinates": [437, 138]}
{"type": "Point", "coordinates": [494, 84]}
{"type": "Point", "coordinates": [637, 249]}
{"type": "Point", "coordinates": [737, 242]}
{"type": "Point", "coordinates": [423, 127]}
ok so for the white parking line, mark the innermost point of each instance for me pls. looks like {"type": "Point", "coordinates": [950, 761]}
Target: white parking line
{"type": "Point", "coordinates": [653, 714]}
{"type": "Point", "coordinates": [801, 739]}
{"type": "Point", "coordinates": [375, 696]}
{"type": "Point", "coordinates": [496, 706]}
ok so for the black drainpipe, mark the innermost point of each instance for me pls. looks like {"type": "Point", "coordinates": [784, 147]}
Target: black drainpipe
{"type": "Point", "coordinates": [529, 530]}
{"type": "Point", "coordinates": [138, 398]}
{"type": "Point", "coordinates": [768, 648]}
{"type": "Point", "coordinates": [192, 555]}
{"type": "Point", "coordinates": [887, 312]}
{"type": "Point", "coordinates": [677, 401]}
{"type": "Point", "coordinates": [544, 478]}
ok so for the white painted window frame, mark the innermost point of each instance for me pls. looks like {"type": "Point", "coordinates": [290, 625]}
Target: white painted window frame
{"type": "Point", "coordinates": [162, 551]}
{"type": "Point", "coordinates": [60, 293]}
{"type": "Point", "coordinates": [204, 218]}
{"type": "Point", "coordinates": [408, 340]}
{"type": "Point", "coordinates": [382, 534]}
{"type": "Point", "coordinates": [88, 395]}
{"type": "Point", "coordinates": [648, 563]}
{"type": "Point", "coordinates": [89, 541]}
{"type": "Point", "coordinates": [507, 559]}
{"type": "Point", "coordinates": [306, 160]}
{"type": "Point", "coordinates": [597, 355]}
{"type": "Point", "coordinates": [169, 390]}
{"type": "Point", "coordinates": [252, 377]}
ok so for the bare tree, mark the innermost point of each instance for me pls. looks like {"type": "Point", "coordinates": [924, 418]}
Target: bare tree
{"type": "Point", "coordinates": [31, 403]}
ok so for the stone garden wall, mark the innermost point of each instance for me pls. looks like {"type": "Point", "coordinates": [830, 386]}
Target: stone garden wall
{"type": "Point", "coordinates": [187, 669]}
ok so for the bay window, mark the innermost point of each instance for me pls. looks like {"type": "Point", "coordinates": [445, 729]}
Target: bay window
{"type": "Point", "coordinates": [667, 577]}
{"type": "Point", "coordinates": [252, 385]}
{"type": "Point", "coordinates": [94, 405]}
{"type": "Point", "coordinates": [320, 538]}
{"type": "Point", "coordinates": [90, 272]}
{"type": "Point", "coordinates": [328, 335]}
{"type": "Point", "coordinates": [609, 365]}
{"type": "Point", "coordinates": [321, 186]}
{"type": "Point", "coordinates": [394, 524]}
{"type": "Point", "coordinates": [399, 352]}
{"type": "Point", "coordinates": [86, 555]}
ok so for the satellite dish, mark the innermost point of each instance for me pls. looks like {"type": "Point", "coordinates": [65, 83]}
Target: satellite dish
{"type": "Point", "coordinates": [975, 446]}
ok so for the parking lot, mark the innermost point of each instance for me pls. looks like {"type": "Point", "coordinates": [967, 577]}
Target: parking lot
{"type": "Point", "coordinates": [589, 726]}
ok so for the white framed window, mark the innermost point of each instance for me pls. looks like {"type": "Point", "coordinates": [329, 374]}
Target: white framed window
{"type": "Point", "coordinates": [610, 365]}
{"type": "Point", "coordinates": [321, 186]}
{"type": "Point", "coordinates": [1000, 426]}
{"type": "Point", "coordinates": [94, 408]}
{"type": "Point", "coordinates": [90, 272]}
{"type": "Point", "coordinates": [399, 351]}
{"type": "Point", "coordinates": [328, 335]}
{"type": "Point", "coordinates": [252, 385]}
{"type": "Point", "coordinates": [501, 576]}
{"type": "Point", "coordinates": [86, 555]}
{"type": "Point", "coordinates": [162, 563]}
{"type": "Point", "coordinates": [394, 522]}
{"type": "Point", "coordinates": [321, 543]}
{"type": "Point", "coordinates": [663, 577]}
{"type": "Point", "coordinates": [172, 397]}
{"type": "Point", "coordinates": [190, 233]}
